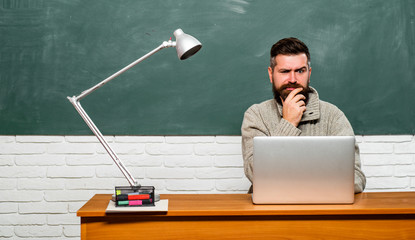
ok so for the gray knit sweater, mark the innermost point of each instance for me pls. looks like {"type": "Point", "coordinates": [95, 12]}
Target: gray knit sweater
{"type": "Point", "coordinates": [320, 119]}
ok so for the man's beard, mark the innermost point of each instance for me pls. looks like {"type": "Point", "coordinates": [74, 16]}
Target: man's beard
{"type": "Point", "coordinates": [281, 92]}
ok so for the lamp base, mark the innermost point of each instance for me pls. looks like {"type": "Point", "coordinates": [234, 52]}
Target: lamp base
{"type": "Point", "coordinates": [134, 196]}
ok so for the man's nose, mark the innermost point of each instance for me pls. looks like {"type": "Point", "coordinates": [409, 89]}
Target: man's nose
{"type": "Point", "coordinates": [292, 78]}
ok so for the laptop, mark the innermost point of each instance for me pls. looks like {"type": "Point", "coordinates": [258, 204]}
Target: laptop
{"type": "Point", "coordinates": [303, 170]}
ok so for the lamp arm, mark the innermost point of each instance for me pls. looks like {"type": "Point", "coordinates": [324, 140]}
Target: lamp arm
{"type": "Point", "coordinates": [131, 180]}
{"type": "Point", "coordinates": [165, 44]}
{"type": "Point", "coordinates": [75, 100]}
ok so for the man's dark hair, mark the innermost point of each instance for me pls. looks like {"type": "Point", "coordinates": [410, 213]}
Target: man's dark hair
{"type": "Point", "coordinates": [288, 46]}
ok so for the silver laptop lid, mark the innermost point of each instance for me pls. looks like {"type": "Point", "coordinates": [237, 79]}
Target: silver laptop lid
{"type": "Point", "coordinates": [303, 170]}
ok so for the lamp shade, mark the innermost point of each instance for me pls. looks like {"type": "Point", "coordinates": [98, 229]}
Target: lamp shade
{"type": "Point", "coordinates": [186, 45]}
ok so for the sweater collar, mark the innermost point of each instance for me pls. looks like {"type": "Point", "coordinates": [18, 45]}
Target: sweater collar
{"type": "Point", "coordinates": [312, 111]}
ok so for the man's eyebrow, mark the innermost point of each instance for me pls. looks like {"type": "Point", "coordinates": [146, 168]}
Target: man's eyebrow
{"type": "Point", "coordinates": [289, 69]}
{"type": "Point", "coordinates": [301, 68]}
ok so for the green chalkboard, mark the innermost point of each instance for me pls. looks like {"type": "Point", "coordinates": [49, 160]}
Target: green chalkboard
{"type": "Point", "coordinates": [362, 55]}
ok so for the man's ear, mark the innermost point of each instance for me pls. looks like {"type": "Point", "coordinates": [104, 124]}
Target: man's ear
{"type": "Point", "coordinates": [309, 75]}
{"type": "Point", "coordinates": [270, 74]}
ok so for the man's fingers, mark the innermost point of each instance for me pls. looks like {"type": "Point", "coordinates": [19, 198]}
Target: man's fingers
{"type": "Point", "coordinates": [293, 93]}
{"type": "Point", "coordinates": [298, 98]}
{"type": "Point", "coordinates": [302, 109]}
{"type": "Point", "coordinates": [301, 103]}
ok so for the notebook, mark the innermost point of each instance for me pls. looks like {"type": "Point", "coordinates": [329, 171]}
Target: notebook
{"type": "Point", "coordinates": [303, 170]}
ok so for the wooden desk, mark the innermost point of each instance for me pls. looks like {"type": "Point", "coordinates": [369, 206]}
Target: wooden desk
{"type": "Point", "coordinates": [233, 216]}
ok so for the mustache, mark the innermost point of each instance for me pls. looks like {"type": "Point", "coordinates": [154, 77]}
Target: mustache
{"type": "Point", "coordinates": [291, 85]}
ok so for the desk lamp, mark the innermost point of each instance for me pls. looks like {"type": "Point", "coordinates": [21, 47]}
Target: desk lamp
{"type": "Point", "coordinates": [186, 46]}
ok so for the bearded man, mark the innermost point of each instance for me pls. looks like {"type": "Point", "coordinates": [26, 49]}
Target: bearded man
{"type": "Point", "coordinates": [296, 109]}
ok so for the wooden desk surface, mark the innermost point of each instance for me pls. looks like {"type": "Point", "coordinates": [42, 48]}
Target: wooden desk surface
{"type": "Point", "coordinates": [233, 216]}
{"type": "Point", "coordinates": [371, 203]}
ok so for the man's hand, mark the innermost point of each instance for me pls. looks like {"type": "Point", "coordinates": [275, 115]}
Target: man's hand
{"type": "Point", "coordinates": [293, 107]}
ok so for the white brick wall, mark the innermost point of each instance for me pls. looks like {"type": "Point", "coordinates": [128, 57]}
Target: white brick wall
{"type": "Point", "coordinates": [44, 180]}
{"type": "Point", "coordinates": [388, 162]}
